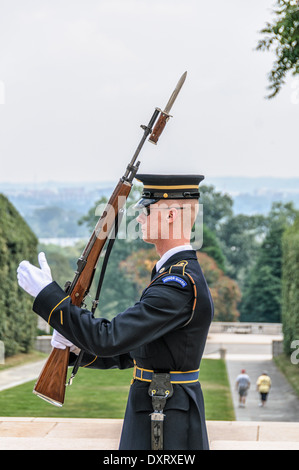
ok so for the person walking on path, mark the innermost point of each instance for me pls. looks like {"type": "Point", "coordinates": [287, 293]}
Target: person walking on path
{"type": "Point", "coordinates": [263, 386]}
{"type": "Point", "coordinates": [242, 385]}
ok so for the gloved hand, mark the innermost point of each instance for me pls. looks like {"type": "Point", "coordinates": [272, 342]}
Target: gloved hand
{"type": "Point", "coordinates": [60, 342]}
{"type": "Point", "coordinates": [33, 279]}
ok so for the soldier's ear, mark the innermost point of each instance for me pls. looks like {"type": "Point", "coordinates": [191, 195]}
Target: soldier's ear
{"type": "Point", "coordinates": [172, 215]}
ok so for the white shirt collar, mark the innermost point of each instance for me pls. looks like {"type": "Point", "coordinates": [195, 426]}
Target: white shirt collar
{"type": "Point", "coordinates": [170, 253]}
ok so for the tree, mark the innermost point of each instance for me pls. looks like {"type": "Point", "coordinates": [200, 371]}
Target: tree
{"type": "Point", "coordinates": [261, 300]}
{"type": "Point", "coordinates": [53, 221]}
{"type": "Point", "coordinates": [17, 242]}
{"type": "Point", "coordinates": [211, 247]}
{"type": "Point", "coordinates": [63, 260]}
{"type": "Point", "coordinates": [290, 286]}
{"type": "Point", "coordinates": [240, 237]}
{"type": "Point", "coordinates": [217, 207]}
{"type": "Point", "coordinates": [283, 37]}
{"type": "Point", "coordinates": [225, 291]}
{"type": "Point", "coordinates": [138, 266]}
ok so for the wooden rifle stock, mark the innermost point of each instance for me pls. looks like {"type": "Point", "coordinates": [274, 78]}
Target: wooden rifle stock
{"type": "Point", "coordinates": [51, 382]}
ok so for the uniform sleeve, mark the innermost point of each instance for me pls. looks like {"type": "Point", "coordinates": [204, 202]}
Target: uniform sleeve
{"type": "Point", "coordinates": [164, 306]}
{"type": "Point", "coordinates": [91, 361]}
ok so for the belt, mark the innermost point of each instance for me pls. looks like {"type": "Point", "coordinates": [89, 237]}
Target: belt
{"type": "Point", "coordinates": [146, 375]}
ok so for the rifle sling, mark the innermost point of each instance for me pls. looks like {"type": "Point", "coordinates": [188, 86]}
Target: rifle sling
{"type": "Point", "coordinates": [95, 302]}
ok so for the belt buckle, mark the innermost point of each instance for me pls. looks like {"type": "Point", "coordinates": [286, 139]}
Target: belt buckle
{"type": "Point", "coordinates": [134, 373]}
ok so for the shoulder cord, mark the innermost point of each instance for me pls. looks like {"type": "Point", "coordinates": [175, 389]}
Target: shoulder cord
{"type": "Point", "coordinates": [180, 269]}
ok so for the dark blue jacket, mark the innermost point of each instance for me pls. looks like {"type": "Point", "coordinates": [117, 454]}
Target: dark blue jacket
{"type": "Point", "coordinates": [165, 331]}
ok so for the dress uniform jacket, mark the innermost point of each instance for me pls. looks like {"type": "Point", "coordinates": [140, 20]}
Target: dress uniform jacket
{"type": "Point", "coordinates": [164, 331]}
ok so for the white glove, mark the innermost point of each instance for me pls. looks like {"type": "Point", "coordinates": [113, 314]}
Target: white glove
{"type": "Point", "coordinates": [60, 342]}
{"type": "Point", "coordinates": [33, 279]}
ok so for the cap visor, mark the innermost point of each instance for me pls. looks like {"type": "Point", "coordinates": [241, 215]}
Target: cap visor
{"type": "Point", "coordinates": [144, 202]}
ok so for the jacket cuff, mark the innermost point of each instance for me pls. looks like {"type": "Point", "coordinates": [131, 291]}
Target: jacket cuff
{"type": "Point", "coordinates": [48, 300]}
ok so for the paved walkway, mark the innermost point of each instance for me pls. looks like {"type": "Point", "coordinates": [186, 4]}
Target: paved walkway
{"type": "Point", "coordinates": [282, 403]}
{"type": "Point", "coordinates": [254, 354]}
{"type": "Point", "coordinates": [17, 375]}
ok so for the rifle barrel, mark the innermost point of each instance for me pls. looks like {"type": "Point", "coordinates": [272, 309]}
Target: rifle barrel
{"type": "Point", "coordinates": [132, 168]}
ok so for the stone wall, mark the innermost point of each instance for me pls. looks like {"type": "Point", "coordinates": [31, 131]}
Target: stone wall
{"type": "Point", "coordinates": [43, 344]}
{"type": "Point", "coordinates": [277, 348]}
{"type": "Point", "coordinates": [246, 328]}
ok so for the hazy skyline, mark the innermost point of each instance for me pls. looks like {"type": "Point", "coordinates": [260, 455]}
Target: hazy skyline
{"type": "Point", "coordinates": [77, 79]}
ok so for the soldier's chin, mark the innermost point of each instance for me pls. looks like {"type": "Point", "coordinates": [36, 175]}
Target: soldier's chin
{"type": "Point", "coordinates": [147, 239]}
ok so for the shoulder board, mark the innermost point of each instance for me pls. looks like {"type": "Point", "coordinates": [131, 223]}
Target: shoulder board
{"type": "Point", "coordinates": [173, 275]}
{"type": "Point", "coordinates": [178, 268]}
{"type": "Point", "coordinates": [175, 272]}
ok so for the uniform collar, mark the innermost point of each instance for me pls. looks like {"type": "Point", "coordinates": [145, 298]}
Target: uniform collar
{"type": "Point", "coordinates": [170, 253]}
{"type": "Point", "coordinates": [175, 258]}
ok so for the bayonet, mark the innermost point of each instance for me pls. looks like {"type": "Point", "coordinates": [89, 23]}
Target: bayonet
{"type": "Point", "coordinates": [164, 116]}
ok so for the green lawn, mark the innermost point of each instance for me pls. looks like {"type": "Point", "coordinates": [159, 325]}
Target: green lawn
{"type": "Point", "coordinates": [103, 394]}
{"type": "Point", "coordinates": [291, 371]}
{"type": "Point", "coordinates": [216, 390]}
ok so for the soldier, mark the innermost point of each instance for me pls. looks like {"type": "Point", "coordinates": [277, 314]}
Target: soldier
{"type": "Point", "coordinates": [162, 336]}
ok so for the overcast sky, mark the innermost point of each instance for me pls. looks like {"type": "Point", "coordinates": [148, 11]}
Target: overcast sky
{"type": "Point", "coordinates": [79, 77]}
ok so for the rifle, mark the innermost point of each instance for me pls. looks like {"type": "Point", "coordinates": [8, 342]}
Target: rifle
{"type": "Point", "coordinates": [51, 383]}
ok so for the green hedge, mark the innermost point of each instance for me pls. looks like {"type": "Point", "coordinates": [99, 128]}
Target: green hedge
{"type": "Point", "coordinates": [290, 286]}
{"type": "Point", "coordinates": [17, 242]}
